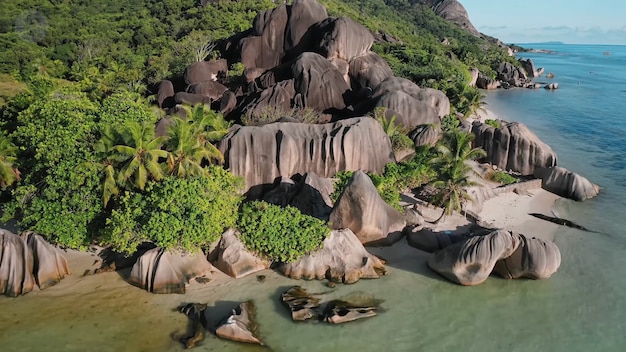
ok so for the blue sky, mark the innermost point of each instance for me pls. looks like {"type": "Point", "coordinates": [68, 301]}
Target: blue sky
{"type": "Point", "coordinates": [569, 21]}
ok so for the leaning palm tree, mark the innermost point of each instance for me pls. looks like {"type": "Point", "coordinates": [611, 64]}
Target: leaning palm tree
{"type": "Point", "coordinates": [138, 155]}
{"type": "Point", "coordinates": [451, 191]}
{"type": "Point", "coordinates": [8, 172]}
{"type": "Point", "coordinates": [188, 148]}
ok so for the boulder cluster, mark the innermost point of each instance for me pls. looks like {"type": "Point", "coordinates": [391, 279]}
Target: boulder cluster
{"type": "Point", "coordinates": [509, 75]}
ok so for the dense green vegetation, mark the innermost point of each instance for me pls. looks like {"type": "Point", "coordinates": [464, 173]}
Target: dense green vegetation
{"type": "Point", "coordinates": [79, 158]}
{"type": "Point", "coordinates": [280, 234]}
{"type": "Point", "coordinates": [501, 177]}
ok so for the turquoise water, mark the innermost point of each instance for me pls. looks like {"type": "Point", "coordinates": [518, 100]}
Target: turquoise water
{"type": "Point", "coordinates": [581, 308]}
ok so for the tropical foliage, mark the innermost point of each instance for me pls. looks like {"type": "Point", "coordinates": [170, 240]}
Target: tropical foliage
{"type": "Point", "coordinates": [280, 234]}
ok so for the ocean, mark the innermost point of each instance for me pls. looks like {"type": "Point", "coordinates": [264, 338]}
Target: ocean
{"type": "Point", "coordinates": [580, 308]}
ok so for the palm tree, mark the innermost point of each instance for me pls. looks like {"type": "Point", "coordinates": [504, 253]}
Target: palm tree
{"type": "Point", "coordinates": [188, 148]}
{"type": "Point", "coordinates": [8, 172]}
{"type": "Point", "coordinates": [213, 123]}
{"type": "Point", "coordinates": [138, 155]}
{"type": "Point", "coordinates": [454, 150]}
{"type": "Point", "coordinates": [106, 168]}
{"type": "Point", "coordinates": [472, 101]}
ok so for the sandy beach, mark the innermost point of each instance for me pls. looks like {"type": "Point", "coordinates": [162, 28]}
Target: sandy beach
{"type": "Point", "coordinates": [104, 313]}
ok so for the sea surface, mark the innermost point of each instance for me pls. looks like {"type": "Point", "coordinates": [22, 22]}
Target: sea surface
{"type": "Point", "coordinates": [581, 308]}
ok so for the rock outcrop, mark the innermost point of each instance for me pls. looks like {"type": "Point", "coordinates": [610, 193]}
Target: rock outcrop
{"type": "Point", "coordinates": [432, 97]}
{"type": "Point", "coordinates": [16, 265]}
{"type": "Point", "coordinates": [160, 271]}
{"type": "Point", "coordinates": [263, 154]}
{"type": "Point", "coordinates": [234, 259]}
{"type": "Point", "coordinates": [534, 258]}
{"type": "Point", "coordinates": [342, 38]}
{"type": "Point", "coordinates": [318, 83]}
{"type": "Point", "coordinates": [165, 95]}
{"type": "Point", "coordinates": [49, 265]}
{"type": "Point", "coordinates": [426, 135]}
{"type": "Point", "coordinates": [240, 325]}
{"type": "Point", "coordinates": [470, 262]}
{"type": "Point", "coordinates": [512, 75]}
{"type": "Point", "coordinates": [361, 209]}
{"type": "Point", "coordinates": [211, 89]}
{"type": "Point", "coordinates": [450, 10]}
{"type": "Point", "coordinates": [567, 184]}
{"type": "Point", "coordinates": [513, 147]}
{"type": "Point", "coordinates": [203, 71]}
{"type": "Point", "coordinates": [369, 70]}
{"type": "Point", "coordinates": [341, 259]}
{"type": "Point", "coordinates": [484, 82]}
{"type": "Point", "coordinates": [409, 111]}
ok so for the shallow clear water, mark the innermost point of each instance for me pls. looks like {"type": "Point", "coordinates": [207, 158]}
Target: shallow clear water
{"type": "Point", "coordinates": [581, 308]}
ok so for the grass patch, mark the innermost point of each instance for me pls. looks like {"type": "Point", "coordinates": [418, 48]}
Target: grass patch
{"type": "Point", "coordinates": [9, 87]}
{"type": "Point", "coordinates": [501, 177]}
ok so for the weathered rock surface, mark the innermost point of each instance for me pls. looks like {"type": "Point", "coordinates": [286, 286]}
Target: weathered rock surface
{"type": "Point", "coordinates": [369, 70]}
{"type": "Point", "coordinates": [361, 209]}
{"type": "Point", "coordinates": [552, 86]}
{"type": "Point", "coordinates": [434, 98]}
{"type": "Point", "coordinates": [191, 99]}
{"type": "Point", "coordinates": [240, 325]}
{"type": "Point", "coordinates": [304, 306]}
{"type": "Point", "coordinates": [234, 259]}
{"type": "Point", "coordinates": [165, 95]}
{"type": "Point", "coordinates": [471, 262]}
{"type": "Point", "coordinates": [276, 99]}
{"type": "Point", "coordinates": [302, 15]}
{"type": "Point", "coordinates": [16, 265]}
{"type": "Point", "coordinates": [512, 75]}
{"type": "Point", "coordinates": [319, 83]}
{"type": "Point", "coordinates": [567, 184]}
{"type": "Point", "coordinates": [262, 154]}
{"type": "Point", "coordinates": [534, 258]}
{"type": "Point", "coordinates": [409, 111]}
{"type": "Point", "coordinates": [426, 135]}
{"type": "Point", "coordinates": [160, 271]}
{"type": "Point", "coordinates": [529, 66]}
{"type": "Point", "coordinates": [450, 10]}
{"type": "Point", "coordinates": [265, 48]}
{"type": "Point", "coordinates": [484, 82]}
{"type": "Point", "coordinates": [341, 259]}
{"type": "Point", "coordinates": [49, 265]}
{"type": "Point", "coordinates": [313, 196]}
{"type": "Point", "coordinates": [513, 147]}
{"type": "Point", "coordinates": [473, 77]}
{"type": "Point", "coordinates": [341, 37]}
{"type": "Point", "coordinates": [205, 71]}
{"type": "Point", "coordinates": [431, 241]}
{"type": "Point", "coordinates": [211, 89]}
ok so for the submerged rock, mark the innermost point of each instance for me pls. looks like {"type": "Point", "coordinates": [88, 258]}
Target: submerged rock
{"type": "Point", "coordinates": [16, 265]}
{"type": "Point", "coordinates": [361, 209]}
{"type": "Point", "coordinates": [160, 271]}
{"type": "Point", "coordinates": [195, 312]}
{"type": "Point", "coordinates": [342, 259]}
{"type": "Point", "coordinates": [304, 306]}
{"type": "Point", "coordinates": [240, 325]}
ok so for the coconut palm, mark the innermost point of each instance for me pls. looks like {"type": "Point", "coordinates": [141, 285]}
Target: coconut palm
{"type": "Point", "coordinates": [454, 150]}
{"type": "Point", "coordinates": [8, 172]}
{"type": "Point", "coordinates": [106, 168]}
{"type": "Point", "coordinates": [137, 156]}
{"type": "Point", "coordinates": [188, 148]}
{"type": "Point", "coordinates": [214, 124]}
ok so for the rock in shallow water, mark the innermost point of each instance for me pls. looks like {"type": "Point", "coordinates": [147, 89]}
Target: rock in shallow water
{"type": "Point", "coordinates": [567, 184]}
{"type": "Point", "coordinates": [240, 325]}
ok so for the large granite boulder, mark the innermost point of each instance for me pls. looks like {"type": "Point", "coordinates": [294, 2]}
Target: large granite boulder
{"type": "Point", "coordinates": [234, 259]}
{"type": "Point", "coordinates": [319, 83]}
{"type": "Point", "coordinates": [211, 89]}
{"type": "Point", "coordinates": [241, 325]}
{"type": "Point", "coordinates": [529, 66]}
{"type": "Point", "coordinates": [434, 98]}
{"type": "Point", "coordinates": [265, 48]}
{"type": "Point", "coordinates": [484, 82]}
{"type": "Point", "coordinates": [473, 77]}
{"type": "Point", "coordinates": [567, 184]}
{"type": "Point", "coordinates": [165, 95]}
{"type": "Point", "coordinates": [205, 71]}
{"type": "Point", "coordinates": [471, 262]}
{"type": "Point", "coordinates": [361, 209]}
{"type": "Point", "coordinates": [341, 37]}
{"type": "Point", "coordinates": [16, 265]}
{"type": "Point", "coordinates": [192, 99]}
{"type": "Point", "coordinates": [49, 265]}
{"type": "Point", "coordinates": [430, 241]}
{"type": "Point", "coordinates": [161, 271]}
{"type": "Point", "coordinates": [513, 147]}
{"type": "Point", "coordinates": [534, 258]}
{"type": "Point", "coordinates": [302, 15]}
{"type": "Point", "coordinates": [409, 111]}
{"type": "Point", "coordinates": [263, 154]}
{"type": "Point", "coordinates": [369, 70]}
{"type": "Point", "coordinates": [426, 135]}
{"type": "Point", "coordinates": [342, 259]}
{"type": "Point", "coordinates": [512, 75]}
{"type": "Point", "coordinates": [313, 196]}
{"type": "Point", "coordinates": [277, 99]}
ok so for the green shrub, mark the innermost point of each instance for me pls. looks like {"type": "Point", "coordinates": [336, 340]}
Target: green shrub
{"type": "Point", "coordinates": [280, 234]}
{"type": "Point", "coordinates": [493, 123]}
{"type": "Point", "coordinates": [501, 177]}
{"type": "Point", "coordinates": [176, 213]}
